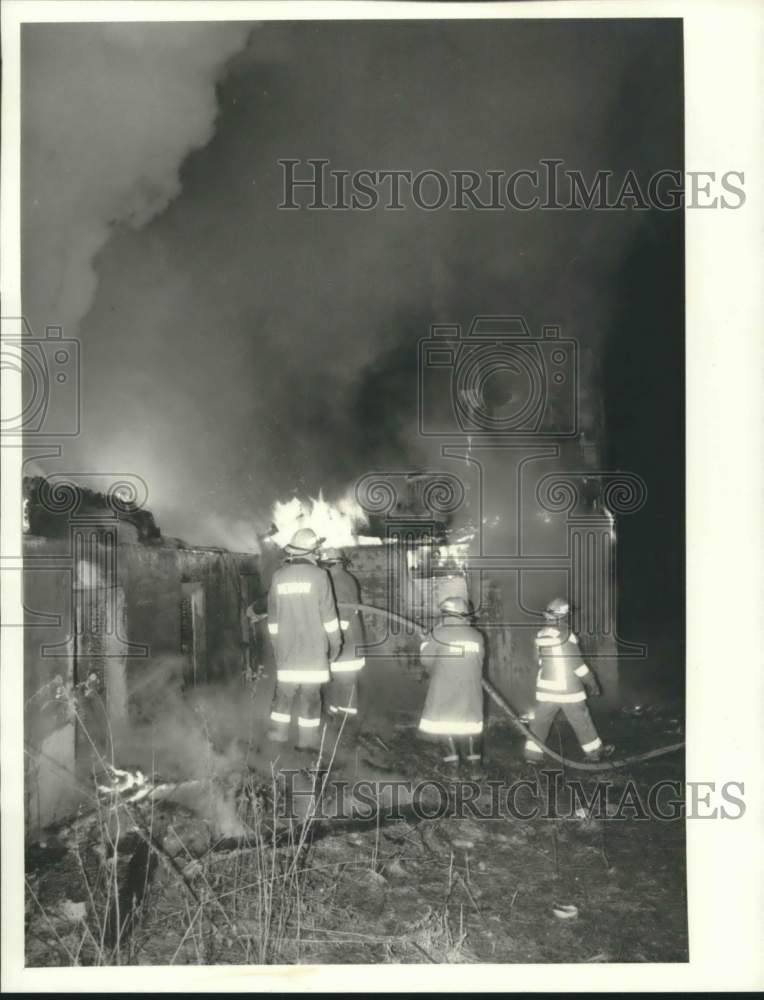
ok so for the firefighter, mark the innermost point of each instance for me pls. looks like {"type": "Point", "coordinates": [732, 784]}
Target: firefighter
{"type": "Point", "coordinates": [342, 692]}
{"type": "Point", "coordinates": [305, 631]}
{"type": "Point", "coordinates": [562, 684]}
{"type": "Point", "coordinates": [453, 710]}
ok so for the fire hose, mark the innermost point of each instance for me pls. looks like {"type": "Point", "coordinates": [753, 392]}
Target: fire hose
{"type": "Point", "coordinates": [504, 705]}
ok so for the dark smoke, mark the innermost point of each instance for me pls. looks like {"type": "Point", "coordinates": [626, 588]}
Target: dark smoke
{"type": "Point", "coordinates": [235, 353]}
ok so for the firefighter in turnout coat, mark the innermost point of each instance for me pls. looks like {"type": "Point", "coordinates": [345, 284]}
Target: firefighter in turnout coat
{"type": "Point", "coordinates": [305, 631]}
{"type": "Point", "coordinates": [453, 710]}
{"type": "Point", "coordinates": [562, 684]}
{"type": "Point", "coordinates": [342, 692]}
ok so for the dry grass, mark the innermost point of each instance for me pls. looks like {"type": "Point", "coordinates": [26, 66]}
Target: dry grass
{"type": "Point", "coordinates": [148, 884]}
{"type": "Point", "coordinates": [139, 877]}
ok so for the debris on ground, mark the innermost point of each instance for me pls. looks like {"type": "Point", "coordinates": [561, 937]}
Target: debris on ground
{"type": "Point", "coordinates": [161, 882]}
{"type": "Point", "coordinates": [565, 911]}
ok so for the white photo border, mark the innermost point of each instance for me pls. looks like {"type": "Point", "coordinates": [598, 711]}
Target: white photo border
{"type": "Point", "coordinates": [725, 490]}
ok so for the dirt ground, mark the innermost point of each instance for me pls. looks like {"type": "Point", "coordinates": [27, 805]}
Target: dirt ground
{"type": "Point", "coordinates": [560, 887]}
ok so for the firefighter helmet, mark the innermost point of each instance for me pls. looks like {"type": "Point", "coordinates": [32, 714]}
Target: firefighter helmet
{"type": "Point", "coordinates": [456, 606]}
{"type": "Point", "coordinates": [558, 608]}
{"type": "Point", "coordinates": [332, 556]}
{"type": "Point", "coordinates": [304, 542]}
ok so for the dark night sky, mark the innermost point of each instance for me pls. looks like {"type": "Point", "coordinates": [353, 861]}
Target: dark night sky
{"type": "Point", "coordinates": [234, 353]}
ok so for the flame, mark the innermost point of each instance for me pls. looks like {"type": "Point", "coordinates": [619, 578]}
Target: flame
{"type": "Point", "coordinates": [337, 522]}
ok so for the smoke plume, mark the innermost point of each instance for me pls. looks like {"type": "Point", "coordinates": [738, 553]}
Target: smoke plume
{"type": "Point", "coordinates": [236, 354]}
{"type": "Point", "coordinates": [110, 114]}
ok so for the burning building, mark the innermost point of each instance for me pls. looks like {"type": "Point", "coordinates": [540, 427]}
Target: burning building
{"type": "Point", "coordinates": [117, 614]}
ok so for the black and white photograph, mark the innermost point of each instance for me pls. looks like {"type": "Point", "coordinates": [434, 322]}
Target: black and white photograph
{"type": "Point", "coordinates": [357, 584]}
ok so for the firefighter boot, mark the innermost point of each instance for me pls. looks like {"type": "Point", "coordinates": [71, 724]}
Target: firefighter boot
{"type": "Point", "coordinates": [539, 725]}
{"type": "Point", "coordinates": [342, 698]}
{"type": "Point", "coordinates": [532, 753]}
{"type": "Point", "coordinates": [351, 727]}
{"type": "Point", "coordinates": [342, 728]}
{"type": "Point", "coordinates": [473, 759]}
{"type": "Point", "coordinates": [278, 733]}
{"type": "Point", "coordinates": [450, 758]}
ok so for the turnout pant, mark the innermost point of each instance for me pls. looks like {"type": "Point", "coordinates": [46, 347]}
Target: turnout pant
{"type": "Point", "coordinates": [577, 714]}
{"type": "Point", "coordinates": [342, 694]}
{"type": "Point", "coordinates": [307, 698]}
{"type": "Point", "coordinates": [462, 749]}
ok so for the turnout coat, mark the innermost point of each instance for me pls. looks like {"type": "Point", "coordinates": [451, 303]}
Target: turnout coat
{"type": "Point", "coordinates": [453, 654]}
{"type": "Point", "coordinates": [563, 674]}
{"type": "Point", "coordinates": [302, 622]}
{"type": "Point", "coordinates": [347, 591]}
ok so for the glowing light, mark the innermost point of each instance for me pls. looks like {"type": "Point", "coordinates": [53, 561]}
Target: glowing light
{"type": "Point", "coordinates": [338, 522]}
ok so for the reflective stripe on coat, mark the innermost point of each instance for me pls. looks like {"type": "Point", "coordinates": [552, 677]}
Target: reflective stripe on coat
{"type": "Point", "coordinates": [347, 591]}
{"type": "Point", "coordinates": [453, 654]}
{"type": "Point", "coordinates": [562, 668]}
{"type": "Point", "coordinates": [302, 622]}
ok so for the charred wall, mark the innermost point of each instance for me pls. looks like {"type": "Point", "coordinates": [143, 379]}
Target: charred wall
{"type": "Point", "coordinates": [108, 626]}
